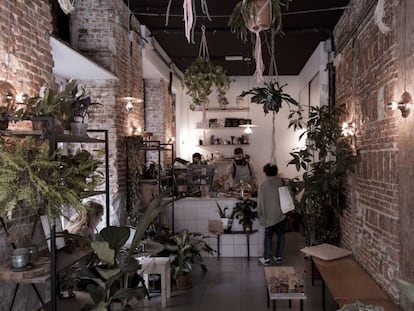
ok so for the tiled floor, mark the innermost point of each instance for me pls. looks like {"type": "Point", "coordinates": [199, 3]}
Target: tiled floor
{"type": "Point", "coordinates": [235, 284]}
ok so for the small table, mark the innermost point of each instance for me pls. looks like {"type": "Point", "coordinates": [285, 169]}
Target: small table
{"type": "Point", "coordinates": [270, 272]}
{"type": "Point", "coordinates": [158, 265]}
{"type": "Point", "coordinates": [246, 233]}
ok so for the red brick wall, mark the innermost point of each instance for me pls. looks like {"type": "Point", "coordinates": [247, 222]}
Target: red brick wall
{"type": "Point", "coordinates": [101, 31]}
{"type": "Point", "coordinates": [368, 77]}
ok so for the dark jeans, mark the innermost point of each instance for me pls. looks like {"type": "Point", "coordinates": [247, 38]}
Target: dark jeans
{"type": "Point", "coordinates": [279, 229]}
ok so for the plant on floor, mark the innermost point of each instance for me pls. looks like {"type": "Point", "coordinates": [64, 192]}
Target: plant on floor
{"type": "Point", "coordinates": [327, 158]}
{"type": "Point", "coordinates": [185, 249]}
{"type": "Point", "coordinates": [117, 281]}
{"type": "Point", "coordinates": [270, 96]}
{"type": "Point", "coordinates": [246, 213]}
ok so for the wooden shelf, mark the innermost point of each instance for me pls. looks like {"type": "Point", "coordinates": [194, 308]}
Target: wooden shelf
{"type": "Point", "coordinates": [230, 109]}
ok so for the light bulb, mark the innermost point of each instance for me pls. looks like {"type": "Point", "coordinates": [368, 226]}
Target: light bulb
{"type": "Point", "coordinates": [248, 130]}
{"type": "Point", "coordinates": [129, 106]}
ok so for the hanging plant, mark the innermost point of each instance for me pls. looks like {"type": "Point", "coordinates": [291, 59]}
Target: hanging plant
{"type": "Point", "coordinates": [199, 79]}
{"type": "Point", "coordinates": [271, 96]}
{"type": "Point", "coordinates": [256, 16]}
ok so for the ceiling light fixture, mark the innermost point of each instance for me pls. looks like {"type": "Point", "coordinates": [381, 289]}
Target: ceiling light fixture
{"type": "Point", "coordinates": [404, 105]}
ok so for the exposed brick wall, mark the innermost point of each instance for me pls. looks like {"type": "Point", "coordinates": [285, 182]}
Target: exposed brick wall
{"type": "Point", "coordinates": [26, 63]}
{"type": "Point", "coordinates": [368, 77]}
{"type": "Point", "coordinates": [101, 31]}
{"type": "Point", "coordinates": [159, 116]}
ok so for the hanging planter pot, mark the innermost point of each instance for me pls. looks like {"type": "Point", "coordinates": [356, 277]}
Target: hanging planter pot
{"type": "Point", "coordinates": [257, 15]}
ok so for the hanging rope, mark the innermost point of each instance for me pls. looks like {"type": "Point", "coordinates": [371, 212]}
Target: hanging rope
{"type": "Point", "coordinates": [167, 14]}
{"type": "Point", "coordinates": [379, 15]}
{"type": "Point", "coordinates": [273, 76]}
{"type": "Point", "coordinates": [204, 9]}
{"type": "Point", "coordinates": [67, 6]}
{"type": "Point", "coordinates": [188, 18]}
{"type": "Point", "coordinates": [203, 50]}
{"type": "Point", "coordinates": [273, 144]}
{"type": "Point", "coordinates": [259, 59]}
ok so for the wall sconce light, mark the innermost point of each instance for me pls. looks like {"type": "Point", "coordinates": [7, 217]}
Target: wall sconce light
{"type": "Point", "coordinates": [130, 101]}
{"type": "Point", "coordinates": [404, 104]}
{"type": "Point", "coordinates": [348, 129]}
{"type": "Point", "coordinates": [171, 140]}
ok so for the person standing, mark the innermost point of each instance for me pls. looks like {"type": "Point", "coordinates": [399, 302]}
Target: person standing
{"type": "Point", "coordinates": [241, 170]}
{"type": "Point", "coordinates": [270, 214]}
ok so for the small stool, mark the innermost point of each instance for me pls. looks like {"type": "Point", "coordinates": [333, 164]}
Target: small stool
{"type": "Point", "coordinates": [158, 265]}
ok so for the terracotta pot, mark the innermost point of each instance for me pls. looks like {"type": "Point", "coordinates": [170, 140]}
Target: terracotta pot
{"type": "Point", "coordinates": [257, 15]}
{"type": "Point", "coordinates": [183, 281]}
{"type": "Point", "coordinates": [299, 289]}
{"type": "Point", "coordinates": [284, 288]}
{"type": "Point", "coordinates": [274, 290]}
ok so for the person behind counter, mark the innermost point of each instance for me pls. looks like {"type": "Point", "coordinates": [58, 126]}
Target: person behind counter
{"type": "Point", "coordinates": [197, 158]}
{"type": "Point", "coordinates": [241, 170]}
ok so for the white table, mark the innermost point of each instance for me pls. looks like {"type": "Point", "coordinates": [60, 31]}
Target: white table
{"type": "Point", "coordinates": [158, 265]}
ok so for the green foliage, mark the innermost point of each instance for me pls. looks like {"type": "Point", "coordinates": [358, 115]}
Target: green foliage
{"type": "Point", "coordinates": [327, 159]}
{"type": "Point", "coordinates": [185, 248]}
{"type": "Point", "coordinates": [245, 211]}
{"type": "Point", "coordinates": [271, 96]}
{"type": "Point", "coordinates": [241, 11]}
{"type": "Point", "coordinates": [358, 306]}
{"type": "Point", "coordinates": [199, 79]}
{"type": "Point", "coordinates": [31, 176]}
{"type": "Point", "coordinates": [406, 288]}
{"type": "Point", "coordinates": [115, 282]}
{"type": "Point", "coordinates": [222, 212]}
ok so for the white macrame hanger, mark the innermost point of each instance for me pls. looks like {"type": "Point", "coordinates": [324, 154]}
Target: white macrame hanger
{"type": "Point", "coordinates": [273, 77]}
{"type": "Point", "coordinates": [203, 50]}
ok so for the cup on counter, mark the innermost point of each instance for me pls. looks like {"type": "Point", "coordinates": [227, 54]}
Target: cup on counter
{"type": "Point", "coordinates": [20, 258]}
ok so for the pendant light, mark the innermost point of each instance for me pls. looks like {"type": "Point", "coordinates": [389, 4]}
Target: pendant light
{"type": "Point", "coordinates": [248, 127]}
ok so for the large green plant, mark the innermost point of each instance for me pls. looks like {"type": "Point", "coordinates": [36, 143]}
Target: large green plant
{"type": "Point", "coordinates": [185, 248]}
{"type": "Point", "coordinates": [327, 158]}
{"type": "Point", "coordinates": [246, 211]}
{"type": "Point", "coordinates": [116, 277]}
{"type": "Point", "coordinates": [199, 79]}
{"type": "Point", "coordinates": [31, 176]}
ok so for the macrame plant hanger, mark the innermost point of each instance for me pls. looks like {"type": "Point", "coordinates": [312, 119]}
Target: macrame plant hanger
{"type": "Point", "coordinates": [253, 23]}
{"type": "Point", "coordinates": [190, 16]}
{"type": "Point", "coordinates": [203, 53]}
{"type": "Point", "coordinates": [273, 77]}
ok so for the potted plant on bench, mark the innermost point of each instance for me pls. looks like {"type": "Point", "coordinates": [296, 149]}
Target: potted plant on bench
{"type": "Point", "coordinates": [246, 212]}
{"type": "Point", "coordinates": [227, 221]}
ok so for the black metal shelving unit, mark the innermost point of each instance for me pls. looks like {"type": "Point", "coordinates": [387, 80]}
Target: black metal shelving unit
{"type": "Point", "coordinates": [54, 138]}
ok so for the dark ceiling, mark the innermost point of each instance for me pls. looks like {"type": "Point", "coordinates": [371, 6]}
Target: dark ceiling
{"type": "Point", "coordinates": [305, 24]}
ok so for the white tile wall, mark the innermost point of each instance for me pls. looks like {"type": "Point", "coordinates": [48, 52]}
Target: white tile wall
{"type": "Point", "coordinates": [194, 213]}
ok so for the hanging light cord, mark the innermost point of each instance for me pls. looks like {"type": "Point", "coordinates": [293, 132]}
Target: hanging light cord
{"type": "Point", "coordinates": [273, 76]}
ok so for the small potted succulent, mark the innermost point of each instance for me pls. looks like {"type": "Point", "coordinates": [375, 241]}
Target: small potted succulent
{"type": "Point", "coordinates": [274, 284]}
{"type": "Point", "coordinates": [199, 79]}
{"type": "Point", "coordinates": [299, 282]}
{"type": "Point", "coordinates": [284, 282]}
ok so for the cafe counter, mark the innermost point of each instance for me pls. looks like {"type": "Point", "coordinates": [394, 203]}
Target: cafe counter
{"type": "Point", "coordinates": [194, 214]}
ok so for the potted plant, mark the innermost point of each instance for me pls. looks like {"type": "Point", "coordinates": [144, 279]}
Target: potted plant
{"type": "Point", "coordinates": [274, 284]}
{"type": "Point", "coordinates": [30, 176]}
{"type": "Point", "coordinates": [185, 248]}
{"type": "Point", "coordinates": [256, 15]}
{"type": "Point", "coordinates": [68, 280]}
{"type": "Point", "coordinates": [7, 106]}
{"type": "Point", "coordinates": [199, 79]}
{"type": "Point", "coordinates": [116, 281]}
{"type": "Point", "coordinates": [226, 220]}
{"type": "Point", "coordinates": [245, 211]}
{"type": "Point", "coordinates": [270, 96]}
{"type": "Point", "coordinates": [327, 159]}
{"type": "Point", "coordinates": [283, 282]}
{"type": "Point", "coordinates": [299, 282]}
{"type": "Point", "coordinates": [47, 104]}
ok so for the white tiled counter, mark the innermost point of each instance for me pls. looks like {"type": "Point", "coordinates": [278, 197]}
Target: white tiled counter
{"type": "Point", "coordinates": [194, 213]}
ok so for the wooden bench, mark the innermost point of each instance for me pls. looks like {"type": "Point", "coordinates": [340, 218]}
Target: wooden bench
{"type": "Point", "coordinates": [348, 282]}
